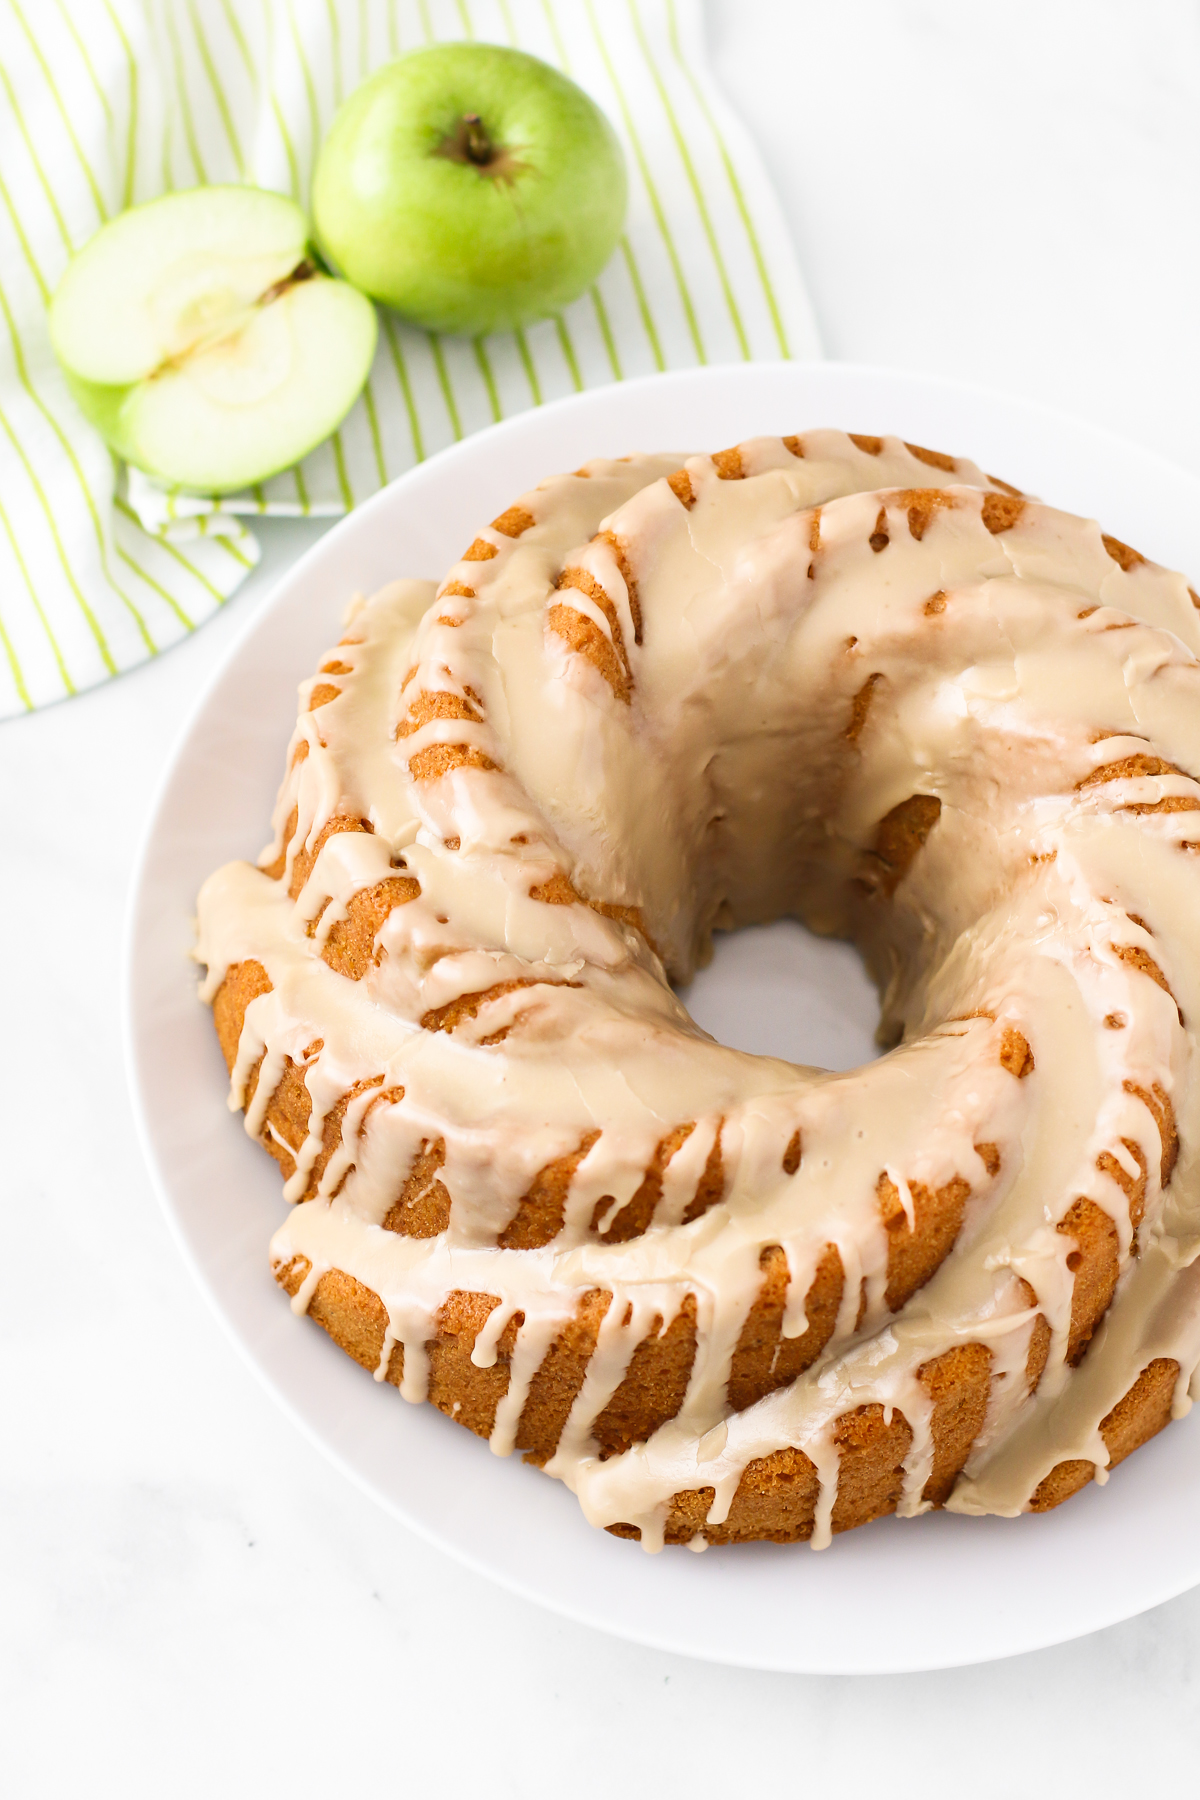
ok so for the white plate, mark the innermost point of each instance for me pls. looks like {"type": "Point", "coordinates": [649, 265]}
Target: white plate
{"type": "Point", "coordinates": [898, 1595]}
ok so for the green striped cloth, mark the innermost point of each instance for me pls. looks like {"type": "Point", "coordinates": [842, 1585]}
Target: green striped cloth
{"type": "Point", "coordinates": [104, 103]}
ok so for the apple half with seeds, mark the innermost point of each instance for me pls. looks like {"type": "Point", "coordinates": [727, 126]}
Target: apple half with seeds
{"type": "Point", "coordinates": [202, 341]}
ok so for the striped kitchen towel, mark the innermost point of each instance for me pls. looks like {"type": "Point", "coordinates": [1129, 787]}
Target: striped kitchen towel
{"type": "Point", "coordinates": [104, 103]}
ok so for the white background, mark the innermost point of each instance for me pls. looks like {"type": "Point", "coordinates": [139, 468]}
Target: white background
{"type": "Point", "coordinates": [191, 1601]}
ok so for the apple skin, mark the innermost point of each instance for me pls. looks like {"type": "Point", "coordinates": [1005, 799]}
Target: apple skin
{"type": "Point", "coordinates": [453, 246]}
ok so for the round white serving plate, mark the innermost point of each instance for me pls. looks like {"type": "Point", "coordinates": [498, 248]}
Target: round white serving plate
{"type": "Point", "coordinates": [898, 1595]}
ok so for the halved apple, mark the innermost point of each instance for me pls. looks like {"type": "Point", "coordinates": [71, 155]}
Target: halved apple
{"type": "Point", "coordinates": [201, 340]}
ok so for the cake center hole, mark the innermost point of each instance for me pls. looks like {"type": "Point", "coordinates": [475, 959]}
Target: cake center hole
{"type": "Point", "coordinates": [779, 990]}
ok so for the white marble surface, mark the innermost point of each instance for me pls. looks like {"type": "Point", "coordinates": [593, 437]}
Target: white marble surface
{"type": "Point", "coordinates": [192, 1601]}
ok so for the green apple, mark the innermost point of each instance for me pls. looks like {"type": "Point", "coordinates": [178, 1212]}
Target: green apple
{"type": "Point", "coordinates": [472, 188]}
{"type": "Point", "coordinates": [198, 336]}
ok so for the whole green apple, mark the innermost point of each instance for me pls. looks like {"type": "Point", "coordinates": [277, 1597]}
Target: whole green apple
{"type": "Point", "coordinates": [471, 187]}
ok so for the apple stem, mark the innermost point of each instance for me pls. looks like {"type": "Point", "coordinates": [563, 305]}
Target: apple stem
{"type": "Point", "coordinates": [304, 271]}
{"type": "Point", "coordinates": [472, 143]}
{"type": "Point", "coordinates": [475, 140]}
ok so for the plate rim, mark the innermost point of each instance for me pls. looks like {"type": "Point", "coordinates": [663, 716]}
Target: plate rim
{"type": "Point", "coordinates": [542, 421]}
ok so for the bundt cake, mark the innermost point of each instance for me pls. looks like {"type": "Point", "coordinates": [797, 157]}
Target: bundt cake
{"type": "Point", "coordinates": [721, 1296]}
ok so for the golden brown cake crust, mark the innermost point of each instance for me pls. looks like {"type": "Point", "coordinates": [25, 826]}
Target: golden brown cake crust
{"type": "Point", "coordinates": [1138, 1416]}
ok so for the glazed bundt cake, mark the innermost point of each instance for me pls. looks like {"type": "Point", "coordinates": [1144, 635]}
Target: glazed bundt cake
{"type": "Point", "coordinates": [721, 1296]}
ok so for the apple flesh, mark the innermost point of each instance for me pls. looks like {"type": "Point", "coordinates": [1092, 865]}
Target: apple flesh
{"type": "Point", "coordinates": [202, 342]}
{"type": "Point", "coordinates": [470, 187]}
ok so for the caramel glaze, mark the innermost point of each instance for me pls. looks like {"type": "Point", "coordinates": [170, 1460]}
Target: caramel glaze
{"type": "Point", "coordinates": [721, 1296]}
